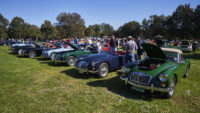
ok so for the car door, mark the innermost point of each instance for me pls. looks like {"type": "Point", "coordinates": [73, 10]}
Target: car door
{"type": "Point", "coordinates": [182, 67]}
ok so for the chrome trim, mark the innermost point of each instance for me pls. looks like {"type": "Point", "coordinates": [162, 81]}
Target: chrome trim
{"type": "Point", "coordinates": [59, 61]}
{"type": "Point", "coordinates": [151, 87]}
{"type": "Point", "coordinates": [85, 70]}
{"type": "Point", "coordinates": [139, 75]}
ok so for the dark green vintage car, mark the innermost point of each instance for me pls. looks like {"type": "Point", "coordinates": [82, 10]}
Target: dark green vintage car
{"type": "Point", "coordinates": [69, 57]}
{"type": "Point", "coordinates": [159, 72]}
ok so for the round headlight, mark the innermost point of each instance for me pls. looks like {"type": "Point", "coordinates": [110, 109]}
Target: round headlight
{"type": "Point", "coordinates": [93, 63]}
{"type": "Point", "coordinates": [163, 78]}
{"type": "Point", "coordinates": [124, 69]}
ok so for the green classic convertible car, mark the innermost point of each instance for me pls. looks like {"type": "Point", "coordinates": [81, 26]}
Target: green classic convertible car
{"type": "Point", "coordinates": [159, 72]}
{"type": "Point", "coordinates": [69, 57]}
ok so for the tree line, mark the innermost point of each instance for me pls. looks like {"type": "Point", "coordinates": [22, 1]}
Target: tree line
{"type": "Point", "coordinates": [184, 23]}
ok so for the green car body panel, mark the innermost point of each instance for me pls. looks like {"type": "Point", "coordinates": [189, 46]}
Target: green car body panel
{"type": "Point", "coordinates": [75, 54]}
{"type": "Point", "coordinates": [168, 67]}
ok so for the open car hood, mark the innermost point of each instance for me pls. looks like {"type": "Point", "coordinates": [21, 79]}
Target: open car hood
{"type": "Point", "coordinates": [153, 51]}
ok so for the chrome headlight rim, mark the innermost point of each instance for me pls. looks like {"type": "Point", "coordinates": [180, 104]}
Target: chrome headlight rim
{"type": "Point", "coordinates": [163, 78]}
{"type": "Point", "coordinates": [93, 63]}
{"type": "Point", "coordinates": [124, 69]}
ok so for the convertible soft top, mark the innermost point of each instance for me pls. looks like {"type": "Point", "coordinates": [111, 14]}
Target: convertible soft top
{"type": "Point", "coordinates": [172, 50]}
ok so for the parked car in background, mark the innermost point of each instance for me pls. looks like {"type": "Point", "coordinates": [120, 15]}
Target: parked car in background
{"type": "Point", "coordinates": [1, 42]}
{"type": "Point", "coordinates": [63, 48]}
{"type": "Point", "coordinates": [36, 50]}
{"type": "Point", "coordinates": [105, 47]}
{"type": "Point", "coordinates": [186, 45]}
{"type": "Point", "coordinates": [100, 63]}
{"type": "Point", "coordinates": [160, 72]}
{"type": "Point", "coordinates": [16, 47]}
{"type": "Point", "coordinates": [69, 57]}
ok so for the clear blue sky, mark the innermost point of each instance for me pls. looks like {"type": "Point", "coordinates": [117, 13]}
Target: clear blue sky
{"type": "Point", "coordinates": [114, 12]}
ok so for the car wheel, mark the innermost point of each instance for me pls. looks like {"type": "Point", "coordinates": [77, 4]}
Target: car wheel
{"type": "Point", "coordinates": [31, 54]}
{"type": "Point", "coordinates": [103, 70]}
{"type": "Point", "coordinates": [172, 88]}
{"type": "Point", "coordinates": [52, 56]}
{"type": "Point", "coordinates": [71, 61]}
{"type": "Point", "coordinates": [186, 74]}
{"type": "Point", "coordinates": [20, 52]}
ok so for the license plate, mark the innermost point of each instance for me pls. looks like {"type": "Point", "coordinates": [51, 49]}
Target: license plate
{"type": "Point", "coordinates": [138, 89]}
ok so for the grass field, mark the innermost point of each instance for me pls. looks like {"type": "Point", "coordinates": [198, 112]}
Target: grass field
{"type": "Point", "coordinates": [38, 85]}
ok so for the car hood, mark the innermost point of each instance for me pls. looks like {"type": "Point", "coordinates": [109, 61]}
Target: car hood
{"type": "Point", "coordinates": [153, 51]}
{"type": "Point", "coordinates": [154, 72]}
{"type": "Point", "coordinates": [59, 50]}
{"type": "Point", "coordinates": [18, 45]}
{"type": "Point", "coordinates": [94, 57]}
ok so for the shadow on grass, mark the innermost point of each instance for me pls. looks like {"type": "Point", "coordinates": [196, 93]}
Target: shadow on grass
{"type": "Point", "coordinates": [12, 53]}
{"type": "Point", "coordinates": [22, 56]}
{"type": "Point", "coordinates": [51, 63]}
{"type": "Point", "coordinates": [75, 74]}
{"type": "Point", "coordinates": [192, 56]}
{"type": "Point", "coordinates": [115, 85]}
{"type": "Point", "coordinates": [42, 59]}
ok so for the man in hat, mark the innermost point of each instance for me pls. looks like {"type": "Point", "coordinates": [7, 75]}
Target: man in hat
{"type": "Point", "coordinates": [131, 46]}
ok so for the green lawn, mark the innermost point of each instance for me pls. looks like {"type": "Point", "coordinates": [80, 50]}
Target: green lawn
{"type": "Point", "coordinates": [38, 85]}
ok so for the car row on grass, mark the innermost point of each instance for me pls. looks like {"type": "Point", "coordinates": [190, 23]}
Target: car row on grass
{"type": "Point", "coordinates": [160, 71]}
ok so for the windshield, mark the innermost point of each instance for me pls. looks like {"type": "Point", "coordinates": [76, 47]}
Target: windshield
{"type": "Point", "coordinates": [172, 56]}
{"type": "Point", "coordinates": [185, 43]}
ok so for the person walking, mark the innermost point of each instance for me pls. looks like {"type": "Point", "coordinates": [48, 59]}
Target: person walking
{"type": "Point", "coordinates": [194, 46]}
{"type": "Point", "coordinates": [131, 46]}
{"type": "Point", "coordinates": [140, 50]}
{"type": "Point", "coordinates": [99, 47]}
{"type": "Point", "coordinates": [112, 43]}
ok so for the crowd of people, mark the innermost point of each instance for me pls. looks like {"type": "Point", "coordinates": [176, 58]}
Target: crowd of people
{"type": "Point", "coordinates": [131, 45]}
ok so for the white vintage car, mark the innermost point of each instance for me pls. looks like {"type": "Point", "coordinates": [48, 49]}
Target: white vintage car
{"type": "Point", "coordinates": [51, 53]}
{"type": "Point", "coordinates": [186, 45]}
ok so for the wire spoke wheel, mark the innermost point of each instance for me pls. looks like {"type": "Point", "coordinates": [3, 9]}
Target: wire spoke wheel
{"type": "Point", "coordinates": [103, 70]}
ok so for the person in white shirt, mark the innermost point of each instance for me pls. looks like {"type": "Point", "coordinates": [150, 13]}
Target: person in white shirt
{"type": "Point", "coordinates": [99, 46]}
{"type": "Point", "coordinates": [89, 41]}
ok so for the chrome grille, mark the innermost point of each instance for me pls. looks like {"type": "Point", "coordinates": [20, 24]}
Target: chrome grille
{"type": "Point", "coordinates": [144, 79]}
{"type": "Point", "coordinates": [135, 77]}
{"type": "Point", "coordinates": [140, 78]}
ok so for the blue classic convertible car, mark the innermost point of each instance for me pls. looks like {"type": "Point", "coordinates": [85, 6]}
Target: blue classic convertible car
{"type": "Point", "coordinates": [100, 63]}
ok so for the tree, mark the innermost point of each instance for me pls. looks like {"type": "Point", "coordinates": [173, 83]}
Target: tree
{"type": "Point", "coordinates": [34, 32]}
{"type": "Point", "coordinates": [157, 25]}
{"type": "Point", "coordinates": [3, 27]}
{"type": "Point", "coordinates": [131, 28]}
{"type": "Point", "coordinates": [106, 29]}
{"type": "Point", "coordinates": [70, 24]}
{"type": "Point", "coordinates": [48, 30]}
{"type": "Point", "coordinates": [16, 29]}
{"type": "Point", "coordinates": [90, 31]}
{"type": "Point", "coordinates": [183, 18]}
{"type": "Point", "coordinates": [197, 22]}
{"type": "Point", "coordinates": [97, 30]}
{"type": "Point", "coordinates": [145, 28]}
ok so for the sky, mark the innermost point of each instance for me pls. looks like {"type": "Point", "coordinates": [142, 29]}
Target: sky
{"type": "Point", "coordinates": [113, 12]}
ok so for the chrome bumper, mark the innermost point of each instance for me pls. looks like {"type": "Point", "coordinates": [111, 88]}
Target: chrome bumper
{"type": "Point", "coordinates": [81, 70]}
{"type": "Point", "coordinates": [151, 88]}
{"type": "Point", "coordinates": [59, 61]}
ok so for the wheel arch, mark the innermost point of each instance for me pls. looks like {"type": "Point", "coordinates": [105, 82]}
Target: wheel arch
{"type": "Point", "coordinates": [175, 75]}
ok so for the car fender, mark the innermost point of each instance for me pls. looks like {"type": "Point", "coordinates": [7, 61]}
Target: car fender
{"type": "Point", "coordinates": [112, 65]}
{"type": "Point", "coordinates": [170, 72]}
